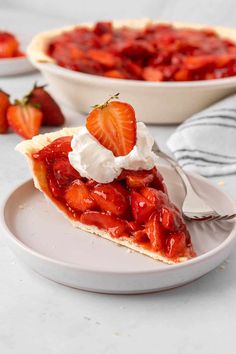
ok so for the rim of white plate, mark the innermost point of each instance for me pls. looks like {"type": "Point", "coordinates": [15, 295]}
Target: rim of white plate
{"type": "Point", "coordinates": [199, 259]}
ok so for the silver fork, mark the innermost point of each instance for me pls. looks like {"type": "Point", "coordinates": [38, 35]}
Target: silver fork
{"type": "Point", "coordinates": [193, 207]}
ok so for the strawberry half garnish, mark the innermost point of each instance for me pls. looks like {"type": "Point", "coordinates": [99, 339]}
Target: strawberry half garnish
{"type": "Point", "coordinates": [113, 124]}
{"type": "Point", "coordinates": [24, 119]}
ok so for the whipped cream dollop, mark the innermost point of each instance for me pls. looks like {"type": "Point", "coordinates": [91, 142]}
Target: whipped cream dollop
{"type": "Point", "coordinates": [93, 160]}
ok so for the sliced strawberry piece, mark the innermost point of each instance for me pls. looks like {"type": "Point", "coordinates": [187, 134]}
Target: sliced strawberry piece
{"type": "Point", "coordinates": [156, 233]}
{"type": "Point", "coordinates": [53, 185]}
{"type": "Point", "coordinates": [155, 197]}
{"type": "Point", "coordinates": [8, 45]}
{"type": "Point", "coordinates": [4, 104]}
{"type": "Point", "coordinates": [116, 74]}
{"type": "Point", "coordinates": [105, 39]}
{"type": "Point", "coordinates": [139, 179]}
{"type": "Point", "coordinates": [104, 58]}
{"type": "Point", "coordinates": [88, 66]}
{"type": "Point", "coordinates": [198, 62]}
{"type": "Point", "coordinates": [75, 53]}
{"type": "Point", "coordinates": [102, 27]}
{"type": "Point", "coordinates": [24, 119]}
{"type": "Point", "coordinates": [182, 75]}
{"type": "Point", "coordinates": [137, 49]}
{"type": "Point", "coordinates": [78, 197]}
{"type": "Point", "coordinates": [152, 74]}
{"type": "Point", "coordinates": [140, 236]}
{"type": "Point", "coordinates": [158, 181]}
{"type": "Point", "coordinates": [115, 226]}
{"type": "Point", "coordinates": [133, 69]}
{"type": "Point", "coordinates": [111, 198]}
{"type": "Point", "coordinates": [91, 183]}
{"type": "Point", "coordinates": [64, 172]}
{"type": "Point", "coordinates": [141, 207]}
{"type": "Point", "coordinates": [60, 147]}
{"type": "Point", "coordinates": [176, 245]}
{"type": "Point", "coordinates": [133, 226]}
{"type": "Point", "coordinates": [114, 126]}
{"type": "Point", "coordinates": [40, 98]}
{"type": "Point", "coordinates": [171, 218]}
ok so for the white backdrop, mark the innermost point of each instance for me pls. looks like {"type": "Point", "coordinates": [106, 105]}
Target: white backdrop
{"type": "Point", "coordinates": [202, 11]}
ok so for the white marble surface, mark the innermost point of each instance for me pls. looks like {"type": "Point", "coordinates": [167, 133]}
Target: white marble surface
{"type": "Point", "coordinates": [39, 316]}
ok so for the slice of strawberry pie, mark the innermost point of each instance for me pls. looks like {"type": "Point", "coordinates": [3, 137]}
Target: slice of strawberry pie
{"type": "Point", "coordinates": [104, 178]}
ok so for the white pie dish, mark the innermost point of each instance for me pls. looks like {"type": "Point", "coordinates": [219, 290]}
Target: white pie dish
{"type": "Point", "coordinates": [56, 250]}
{"type": "Point", "coordinates": [155, 102]}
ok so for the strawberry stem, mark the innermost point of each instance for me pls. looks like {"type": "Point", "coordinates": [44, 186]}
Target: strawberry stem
{"type": "Point", "coordinates": [35, 86]}
{"type": "Point", "coordinates": [103, 105]}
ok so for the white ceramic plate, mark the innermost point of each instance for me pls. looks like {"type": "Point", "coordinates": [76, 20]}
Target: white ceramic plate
{"type": "Point", "coordinates": [15, 66]}
{"type": "Point", "coordinates": [19, 65]}
{"type": "Point", "coordinates": [154, 102]}
{"type": "Point", "coordinates": [44, 240]}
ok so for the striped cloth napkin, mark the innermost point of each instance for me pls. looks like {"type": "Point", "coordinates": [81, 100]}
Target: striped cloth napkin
{"type": "Point", "coordinates": [206, 142]}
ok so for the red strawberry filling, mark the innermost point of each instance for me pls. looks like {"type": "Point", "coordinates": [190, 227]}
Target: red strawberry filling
{"type": "Point", "coordinates": [158, 52]}
{"type": "Point", "coordinates": [135, 205]}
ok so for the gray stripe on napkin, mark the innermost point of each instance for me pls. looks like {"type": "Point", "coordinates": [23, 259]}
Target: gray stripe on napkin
{"type": "Point", "coordinates": [206, 142]}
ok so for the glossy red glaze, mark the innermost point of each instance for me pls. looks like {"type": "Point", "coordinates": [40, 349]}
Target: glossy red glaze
{"type": "Point", "coordinates": [159, 52]}
{"type": "Point", "coordinates": [127, 207]}
{"type": "Point", "coordinates": [117, 227]}
{"type": "Point", "coordinates": [111, 197]}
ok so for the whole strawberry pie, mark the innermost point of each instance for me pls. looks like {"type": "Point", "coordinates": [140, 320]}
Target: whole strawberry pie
{"type": "Point", "coordinates": [104, 177]}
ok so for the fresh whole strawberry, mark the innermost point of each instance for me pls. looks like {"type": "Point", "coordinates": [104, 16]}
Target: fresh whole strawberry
{"type": "Point", "coordinates": [8, 45]}
{"type": "Point", "coordinates": [113, 124]}
{"type": "Point", "coordinates": [4, 104]}
{"type": "Point", "coordinates": [52, 114]}
{"type": "Point", "coordinates": [24, 119]}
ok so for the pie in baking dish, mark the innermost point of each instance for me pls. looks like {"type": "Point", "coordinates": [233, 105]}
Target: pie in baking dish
{"type": "Point", "coordinates": [104, 178]}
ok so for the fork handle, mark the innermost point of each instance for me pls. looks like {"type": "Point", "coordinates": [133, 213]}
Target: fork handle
{"type": "Point", "coordinates": [191, 197]}
{"type": "Point", "coordinates": [186, 183]}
